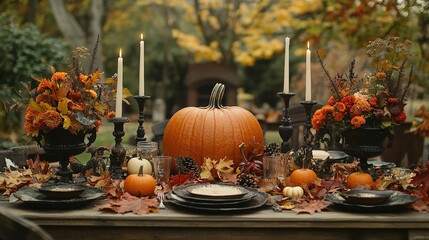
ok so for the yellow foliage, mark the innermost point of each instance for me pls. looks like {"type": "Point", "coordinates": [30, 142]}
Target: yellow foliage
{"type": "Point", "coordinates": [67, 121]}
{"type": "Point", "coordinates": [62, 106]}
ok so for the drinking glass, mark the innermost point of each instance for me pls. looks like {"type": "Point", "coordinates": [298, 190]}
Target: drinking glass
{"type": "Point", "coordinates": [275, 168]}
{"type": "Point", "coordinates": [147, 150]}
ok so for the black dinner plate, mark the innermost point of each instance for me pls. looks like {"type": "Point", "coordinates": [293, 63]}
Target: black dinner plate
{"type": "Point", "coordinates": [32, 197]}
{"type": "Point", "coordinates": [396, 202]}
{"type": "Point", "coordinates": [256, 202]}
{"type": "Point", "coordinates": [171, 195]}
{"type": "Point", "coordinates": [183, 192]}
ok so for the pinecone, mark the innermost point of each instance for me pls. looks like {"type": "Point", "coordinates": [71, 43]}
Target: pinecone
{"type": "Point", "coordinates": [272, 149]}
{"type": "Point", "coordinates": [186, 164]}
{"type": "Point", "coordinates": [247, 180]}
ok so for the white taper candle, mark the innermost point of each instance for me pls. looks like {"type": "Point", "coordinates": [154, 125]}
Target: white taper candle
{"type": "Point", "coordinates": [308, 74]}
{"type": "Point", "coordinates": [119, 86]}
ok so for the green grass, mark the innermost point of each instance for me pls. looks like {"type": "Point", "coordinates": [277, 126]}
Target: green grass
{"type": "Point", "coordinates": [105, 137]}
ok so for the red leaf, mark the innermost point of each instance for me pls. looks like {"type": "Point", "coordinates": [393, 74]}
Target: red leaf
{"type": "Point", "coordinates": [311, 206]}
{"type": "Point", "coordinates": [181, 179]}
{"type": "Point", "coordinates": [129, 203]}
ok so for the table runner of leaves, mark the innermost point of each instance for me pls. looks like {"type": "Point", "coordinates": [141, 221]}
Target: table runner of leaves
{"type": "Point", "coordinates": [38, 172]}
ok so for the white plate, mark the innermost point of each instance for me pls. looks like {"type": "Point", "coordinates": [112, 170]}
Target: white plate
{"type": "Point", "coordinates": [217, 191]}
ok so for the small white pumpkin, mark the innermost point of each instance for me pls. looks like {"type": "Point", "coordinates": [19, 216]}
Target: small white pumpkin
{"type": "Point", "coordinates": [135, 163]}
{"type": "Point", "coordinates": [293, 192]}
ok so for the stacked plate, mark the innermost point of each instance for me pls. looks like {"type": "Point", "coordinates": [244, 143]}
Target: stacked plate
{"type": "Point", "coordinates": [57, 197]}
{"type": "Point", "coordinates": [371, 200]}
{"type": "Point", "coordinates": [216, 197]}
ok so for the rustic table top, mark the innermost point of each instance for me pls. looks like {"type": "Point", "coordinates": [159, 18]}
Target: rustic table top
{"type": "Point", "coordinates": [89, 223]}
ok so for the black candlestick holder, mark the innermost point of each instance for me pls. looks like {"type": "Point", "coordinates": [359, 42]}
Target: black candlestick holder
{"type": "Point", "coordinates": [308, 135]}
{"type": "Point", "coordinates": [285, 129]}
{"type": "Point", "coordinates": [308, 106]}
{"type": "Point", "coordinates": [141, 100]}
{"type": "Point", "coordinates": [118, 153]}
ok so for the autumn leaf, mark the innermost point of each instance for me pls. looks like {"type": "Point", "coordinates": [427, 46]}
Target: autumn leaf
{"type": "Point", "coordinates": [289, 205]}
{"type": "Point", "coordinates": [113, 188]}
{"type": "Point", "coordinates": [228, 177]}
{"type": "Point", "coordinates": [129, 203]}
{"type": "Point", "coordinates": [311, 206]}
{"type": "Point", "coordinates": [38, 166]}
{"type": "Point", "coordinates": [224, 166]}
{"type": "Point", "coordinates": [206, 168]}
{"type": "Point", "coordinates": [62, 106]}
{"type": "Point", "coordinates": [67, 121]}
{"type": "Point", "coordinates": [37, 174]}
{"type": "Point", "coordinates": [181, 179]}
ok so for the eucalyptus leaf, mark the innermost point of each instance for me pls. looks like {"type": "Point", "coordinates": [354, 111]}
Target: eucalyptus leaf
{"type": "Point", "coordinates": [82, 119]}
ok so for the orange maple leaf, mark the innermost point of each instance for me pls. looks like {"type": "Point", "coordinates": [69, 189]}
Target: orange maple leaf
{"type": "Point", "coordinates": [129, 203]}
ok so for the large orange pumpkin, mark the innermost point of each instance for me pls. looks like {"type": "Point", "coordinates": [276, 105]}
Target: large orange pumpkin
{"type": "Point", "coordinates": [214, 131]}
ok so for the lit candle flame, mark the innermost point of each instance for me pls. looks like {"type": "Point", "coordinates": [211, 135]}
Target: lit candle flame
{"type": "Point", "coordinates": [141, 36]}
{"type": "Point", "coordinates": [308, 44]}
{"type": "Point", "coordinates": [120, 52]}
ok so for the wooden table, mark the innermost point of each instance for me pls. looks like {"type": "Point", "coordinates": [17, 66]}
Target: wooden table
{"type": "Point", "coordinates": [172, 223]}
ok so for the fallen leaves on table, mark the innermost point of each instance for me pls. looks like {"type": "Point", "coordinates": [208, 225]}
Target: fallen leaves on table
{"type": "Point", "coordinates": [182, 179]}
{"type": "Point", "coordinates": [37, 174]}
{"type": "Point", "coordinates": [311, 206]}
{"type": "Point", "coordinates": [288, 205]}
{"type": "Point", "coordinates": [38, 166]}
{"type": "Point", "coordinates": [128, 203]}
{"type": "Point", "coordinates": [421, 189]}
{"type": "Point", "coordinates": [221, 169]}
{"type": "Point", "coordinates": [113, 188]}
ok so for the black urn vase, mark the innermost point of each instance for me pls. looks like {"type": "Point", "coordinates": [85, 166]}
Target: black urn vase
{"type": "Point", "coordinates": [364, 142]}
{"type": "Point", "coordinates": [61, 144]}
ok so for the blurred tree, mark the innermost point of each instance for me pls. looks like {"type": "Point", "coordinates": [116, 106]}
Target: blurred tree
{"type": "Point", "coordinates": [25, 52]}
{"type": "Point", "coordinates": [241, 32]}
{"type": "Point", "coordinates": [85, 33]}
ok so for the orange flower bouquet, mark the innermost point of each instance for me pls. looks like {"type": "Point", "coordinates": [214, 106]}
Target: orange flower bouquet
{"type": "Point", "coordinates": [376, 100]}
{"type": "Point", "coordinates": [71, 100]}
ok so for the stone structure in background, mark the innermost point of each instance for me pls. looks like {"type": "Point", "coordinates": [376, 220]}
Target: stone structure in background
{"type": "Point", "coordinates": [201, 78]}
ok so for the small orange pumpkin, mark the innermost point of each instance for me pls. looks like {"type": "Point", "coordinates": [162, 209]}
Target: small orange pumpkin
{"type": "Point", "coordinates": [303, 176]}
{"type": "Point", "coordinates": [212, 132]}
{"type": "Point", "coordinates": [140, 184]}
{"type": "Point", "coordinates": [359, 178]}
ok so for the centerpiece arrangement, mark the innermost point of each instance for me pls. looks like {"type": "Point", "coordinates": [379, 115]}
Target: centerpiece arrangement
{"type": "Point", "coordinates": [227, 172]}
{"type": "Point", "coordinates": [67, 107]}
{"type": "Point", "coordinates": [363, 111]}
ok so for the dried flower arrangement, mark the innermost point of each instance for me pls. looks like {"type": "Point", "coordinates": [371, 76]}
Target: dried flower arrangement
{"type": "Point", "coordinates": [73, 100]}
{"type": "Point", "coordinates": [376, 100]}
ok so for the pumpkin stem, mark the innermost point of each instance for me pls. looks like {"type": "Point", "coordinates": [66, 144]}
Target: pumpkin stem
{"type": "Point", "coordinates": [219, 96]}
{"type": "Point", "coordinates": [140, 171]}
{"type": "Point", "coordinates": [212, 101]}
{"type": "Point", "coordinates": [241, 146]}
{"type": "Point", "coordinates": [216, 96]}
